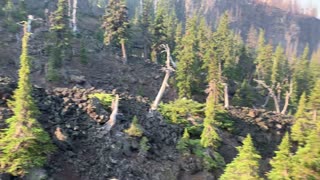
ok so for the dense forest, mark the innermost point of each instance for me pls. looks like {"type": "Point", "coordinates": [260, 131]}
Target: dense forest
{"type": "Point", "coordinates": [206, 71]}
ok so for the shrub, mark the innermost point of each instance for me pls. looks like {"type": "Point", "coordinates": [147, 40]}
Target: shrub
{"type": "Point", "coordinates": [135, 128]}
{"type": "Point", "coordinates": [144, 147]}
{"type": "Point", "coordinates": [104, 98]}
{"type": "Point", "coordinates": [180, 110]}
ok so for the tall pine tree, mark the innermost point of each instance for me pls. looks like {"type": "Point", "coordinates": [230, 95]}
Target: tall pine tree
{"type": "Point", "coordinates": [24, 144]}
{"type": "Point", "coordinates": [246, 165]}
{"type": "Point", "coordinates": [186, 60]}
{"type": "Point", "coordinates": [282, 163]}
{"type": "Point", "coordinates": [116, 25]}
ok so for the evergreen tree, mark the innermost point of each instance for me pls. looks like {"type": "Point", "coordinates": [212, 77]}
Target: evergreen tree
{"type": "Point", "coordinates": [282, 163]}
{"type": "Point", "coordinates": [314, 67]}
{"type": "Point", "coordinates": [315, 101]}
{"type": "Point", "coordinates": [224, 47]}
{"type": "Point", "coordinates": [159, 34]}
{"type": "Point", "coordinates": [116, 25]}
{"type": "Point", "coordinates": [299, 130]}
{"type": "Point", "coordinates": [246, 165]}
{"type": "Point", "coordinates": [302, 106]}
{"type": "Point", "coordinates": [24, 144]}
{"type": "Point", "coordinates": [146, 23]}
{"type": "Point", "coordinates": [245, 96]}
{"type": "Point", "coordinates": [245, 67]}
{"type": "Point", "coordinates": [264, 59]}
{"type": "Point", "coordinates": [187, 57]}
{"type": "Point", "coordinates": [59, 37]}
{"type": "Point", "coordinates": [306, 161]}
{"type": "Point", "coordinates": [278, 61]}
{"type": "Point", "coordinates": [177, 39]}
{"type": "Point", "coordinates": [252, 38]}
{"type": "Point", "coordinates": [301, 74]}
{"type": "Point", "coordinates": [209, 136]}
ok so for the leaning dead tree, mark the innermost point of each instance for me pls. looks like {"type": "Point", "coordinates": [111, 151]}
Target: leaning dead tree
{"type": "Point", "coordinates": [276, 97]}
{"type": "Point", "coordinates": [168, 69]}
{"type": "Point", "coordinates": [113, 116]}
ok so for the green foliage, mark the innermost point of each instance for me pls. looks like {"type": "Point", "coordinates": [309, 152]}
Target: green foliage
{"type": "Point", "coordinates": [301, 129]}
{"type": "Point", "coordinates": [186, 72]}
{"type": "Point", "coordinates": [115, 22]}
{"type": "Point", "coordinates": [24, 144]}
{"type": "Point", "coordinates": [192, 146]}
{"type": "Point", "coordinates": [182, 144]}
{"type": "Point", "coordinates": [180, 110]}
{"type": "Point", "coordinates": [301, 74]}
{"type": "Point", "coordinates": [306, 162]}
{"type": "Point", "coordinates": [282, 162]}
{"type": "Point", "coordinates": [58, 41]}
{"type": "Point", "coordinates": [144, 147]}
{"type": "Point", "coordinates": [315, 97]}
{"type": "Point", "coordinates": [105, 99]}
{"type": "Point", "coordinates": [245, 95]}
{"type": "Point", "coordinates": [246, 165]}
{"type": "Point", "coordinates": [209, 136]}
{"type": "Point", "coordinates": [264, 59]}
{"type": "Point", "coordinates": [278, 72]}
{"type": "Point", "coordinates": [146, 19]}
{"type": "Point", "coordinates": [225, 47]}
{"type": "Point", "coordinates": [302, 106]}
{"type": "Point", "coordinates": [135, 128]}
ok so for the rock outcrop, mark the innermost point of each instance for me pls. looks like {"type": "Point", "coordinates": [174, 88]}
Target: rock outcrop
{"type": "Point", "coordinates": [86, 151]}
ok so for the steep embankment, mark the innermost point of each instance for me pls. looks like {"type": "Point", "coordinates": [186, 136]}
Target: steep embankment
{"type": "Point", "coordinates": [87, 151]}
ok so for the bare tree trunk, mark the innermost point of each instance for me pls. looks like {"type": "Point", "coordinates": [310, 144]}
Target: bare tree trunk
{"type": "Point", "coordinates": [271, 94]}
{"type": "Point", "coordinates": [74, 16]}
{"type": "Point", "coordinates": [30, 18]}
{"type": "Point", "coordinates": [288, 95]}
{"type": "Point", "coordinates": [276, 104]}
{"type": "Point", "coordinates": [69, 13]}
{"type": "Point", "coordinates": [161, 91]}
{"type": "Point", "coordinates": [113, 116]}
{"type": "Point", "coordinates": [226, 96]}
{"type": "Point", "coordinates": [124, 53]}
{"type": "Point", "coordinates": [165, 80]}
{"type": "Point", "coordinates": [266, 101]}
{"type": "Point", "coordinates": [314, 116]}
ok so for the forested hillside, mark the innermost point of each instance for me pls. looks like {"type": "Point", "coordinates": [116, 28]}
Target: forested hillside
{"type": "Point", "coordinates": [167, 89]}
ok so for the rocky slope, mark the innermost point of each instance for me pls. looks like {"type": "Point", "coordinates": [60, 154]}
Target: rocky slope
{"type": "Point", "coordinates": [87, 151]}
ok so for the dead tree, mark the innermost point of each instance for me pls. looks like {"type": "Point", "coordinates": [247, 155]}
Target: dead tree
{"type": "Point", "coordinates": [113, 116]}
{"type": "Point", "coordinates": [226, 96]}
{"type": "Point", "coordinates": [276, 98]}
{"type": "Point", "coordinates": [288, 95]}
{"type": "Point", "coordinates": [271, 94]}
{"type": "Point", "coordinates": [168, 69]}
{"type": "Point", "coordinates": [74, 16]}
{"type": "Point", "coordinates": [69, 13]}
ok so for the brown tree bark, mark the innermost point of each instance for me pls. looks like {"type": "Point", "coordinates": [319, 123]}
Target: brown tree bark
{"type": "Point", "coordinates": [124, 53]}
